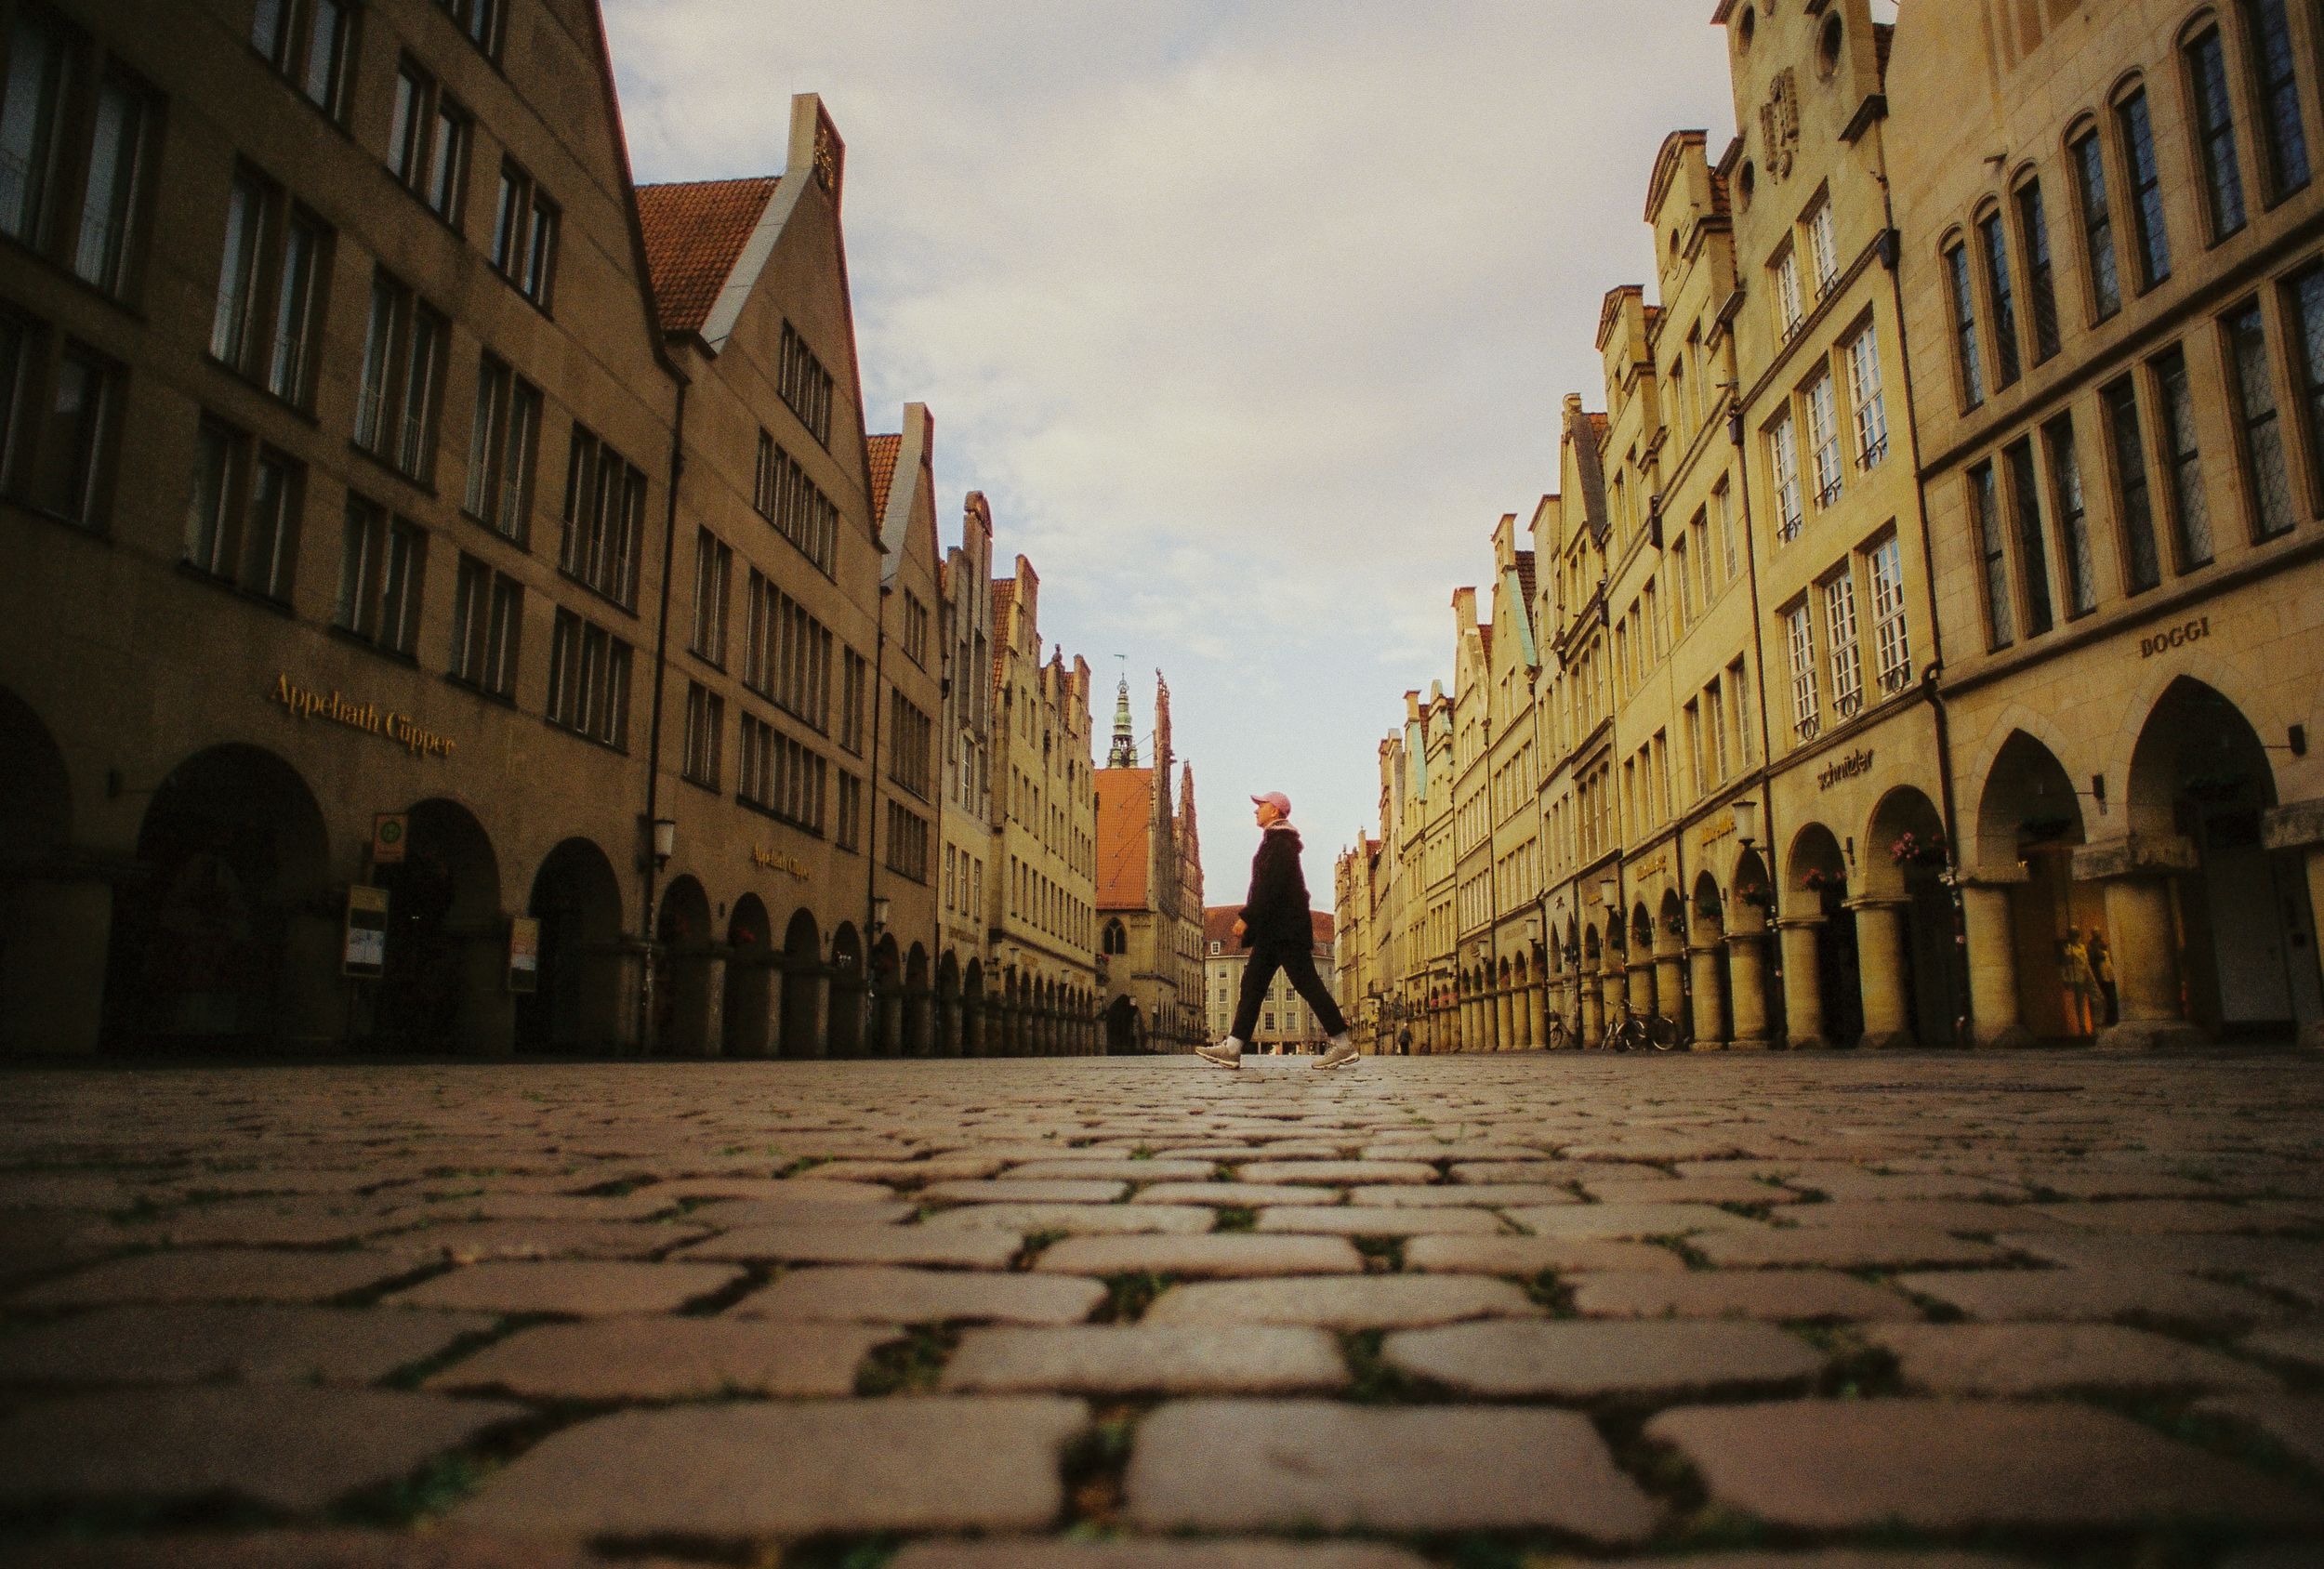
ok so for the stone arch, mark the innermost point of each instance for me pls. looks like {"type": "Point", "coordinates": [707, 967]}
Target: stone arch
{"type": "Point", "coordinates": [1750, 905]}
{"type": "Point", "coordinates": [920, 1004]}
{"type": "Point", "coordinates": [1705, 922]}
{"type": "Point", "coordinates": [2248, 699]}
{"type": "Point", "coordinates": [2028, 820]}
{"type": "Point", "coordinates": [225, 943]}
{"type": "Point", "coordinates": [1906, 863]}
{"type": "Point", "coordinates": [1116, 937]}
{"type": "Point", "coordinates": [446, 987]}
{"type": "Point", "coordinates": [1642, 932]}
{"type": "Point", "coordinates": [886, 998]}
{"type": "Point", "coordinates": [1905, 832]}
{"type": "Point", "coordinates": [845, 1030]}
{"type": "Point", "coordinates": [45, 920]}
{"type": "Point", "coordinates": [803, 986]}
{"type": "Point", "coordinates": [950, 1025]}
{"type": "Point", "coordinates": [2026, 795]}
{"type": "Point", "coordinates": [1816, 872]}
{"type": "Point", "coordinates": [575, 1004]}
{"type": "Point", "coordinates": [744, 1014]}
{"type": "Point", "coordinates": [1672, 916]}
{"type": "Point", "coordinates": [976, 1039]}
{"type": "Point", "coordinates": [684, 1014]}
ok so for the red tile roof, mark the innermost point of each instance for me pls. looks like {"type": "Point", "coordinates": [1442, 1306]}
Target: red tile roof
{"type": "Point", "coordinates": [695, 233]}
{"type": "Point", "coordinates": [1525, 578]}
{"type": "Point", "coordinates": [884, 452]}
{"type": "Point", "coordinates": [1004, 595]}
{"type": "Point", "coordinates": [1484, 636]}
{"type": "Point", "coordinates": [1124, 813]}
{"type": "Point", "coordinates": [1218, 926]}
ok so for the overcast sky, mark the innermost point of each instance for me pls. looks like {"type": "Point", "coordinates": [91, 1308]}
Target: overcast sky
{"type": "Point", "coordinates": [1249, 320]}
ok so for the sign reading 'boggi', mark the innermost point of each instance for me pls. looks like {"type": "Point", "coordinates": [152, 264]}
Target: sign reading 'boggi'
{"type": "Point", "coordinates": [305, 703]}
{"type": "Point", "coordinates": [2175, 636]}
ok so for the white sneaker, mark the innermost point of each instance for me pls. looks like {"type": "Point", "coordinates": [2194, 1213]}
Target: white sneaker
{"type": "Point", "coordinates": [1226, 1054]}
{"type": "Point", "coordinates": [1338, 1056]}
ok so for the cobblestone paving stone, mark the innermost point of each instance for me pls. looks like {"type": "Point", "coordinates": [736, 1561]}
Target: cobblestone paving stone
{"type": "Point", "coordinates": [1714, 1311]}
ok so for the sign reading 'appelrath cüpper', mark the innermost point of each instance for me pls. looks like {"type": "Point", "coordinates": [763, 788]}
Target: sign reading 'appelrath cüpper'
{"type": "Point", "coordinates": [304, 702]}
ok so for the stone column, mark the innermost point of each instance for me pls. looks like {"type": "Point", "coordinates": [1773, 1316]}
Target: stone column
{"type": "Point", "coordinates": [1669, 984]}
{"type": "Point", "coordinates": [2136, 871]}
{"type": "Point", "coordinates": [1589, 1008]}
{"type": "Point", "coordinates": [1505, 1018]}
{"type": "Point", "coordinates": [1747, 988]}
{"type": "Point", "coordinates": [1711, 1006]}
{"type": "Point", "coordinates": [1880, 961]}
{"type": "Point", "coordinates": [1802, 981]}
{"type": "Point", "coordinates": [1992, 942]}
{"type": "Point", "coordinates": [1613, 986]}
{"type": "Point", "coordinates": [2299, 826]}
{"type": "Point", "coordinates": [52, 967]}
{"type": "Point", "coordinates": [1540, 1001]}
{"type": "Point", "coordinates": [778, 989]}
{"type": "Point", "coordinates": [312, 999]}
{"type": "Point", "coordinates": [629, 961]}
{"type": "Point", "coordinates": [486, 1023]}
{"type": "Point", "coordinates": [714, 1003]}
{"type": "Point", "coordinates": [1641, 986]}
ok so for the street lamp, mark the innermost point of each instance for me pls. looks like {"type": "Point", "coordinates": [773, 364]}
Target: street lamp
{"type": "Point", "coordinates": [1746, 822]}
{"type": "Point", "coordinates": [664, 841]}
{"type": "Point", "coordinates": [1610, 892]}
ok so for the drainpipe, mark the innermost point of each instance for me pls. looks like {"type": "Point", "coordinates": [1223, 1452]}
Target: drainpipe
{"type": "Point", "coordinates": [654, 726]}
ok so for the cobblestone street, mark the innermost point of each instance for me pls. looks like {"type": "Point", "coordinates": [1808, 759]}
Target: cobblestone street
{"type": "Point", "coordinates": [1731, 1310]}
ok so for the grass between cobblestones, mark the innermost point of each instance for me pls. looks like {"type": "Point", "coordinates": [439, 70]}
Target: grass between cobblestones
{"type": "Point", "coordinates": [910, 1365]}
{"type": "Point", "coordinates": [1372, 1380]}
{"type": "Point", "coordinates": [1128, 1296]}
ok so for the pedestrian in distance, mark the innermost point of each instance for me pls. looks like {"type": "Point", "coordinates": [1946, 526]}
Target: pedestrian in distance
{"type": "Point", "coordinates": [1280, 932]}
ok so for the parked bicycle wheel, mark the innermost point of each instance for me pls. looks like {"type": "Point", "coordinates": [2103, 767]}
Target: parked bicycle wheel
{"type": "Point", "coordinates": [1664, 1031]}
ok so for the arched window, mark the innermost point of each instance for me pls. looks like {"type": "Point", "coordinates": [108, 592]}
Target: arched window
{"type": "Point", "coordinates": [1116, 937]}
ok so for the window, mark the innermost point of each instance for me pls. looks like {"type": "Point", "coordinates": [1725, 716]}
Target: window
{"type": "Point", "coordinates": [588, 681]}
{"type": "Point", "coordinates": [780, 776]}
{"type": "Point", "coordinates": [785, 496]}
{"type": "Point", "coordinates": [786, 653]}
{"type": "Point", "coordinates": [915, 629]}
{"type": "Point", "coordinates": [1966, 364]}
{"type": "Point", "coordinates": [247, 201]}
{"type": "Point", "coordinates": [1789, 310]}
{"type": "Point", "coordinates": [2033, 557]}
{"type": "Point", "coordinates": [311, 45]}
{"type": "Point", "coordinates": [714, 573]}
{"type": "Point", "coordinates": [428, 138]}
{"type": "Point", "coordinates": [1739, 693]}
{"type": "Point", "coordinates": [1870, 415]}
{"type": "Point", "coordinates": [2041, 296]}
{"type": "Point", "coordinates": [501, 450]}
{"type": "Point", "coordinates": [2089, 182]}
{"type": "Point", "coordinates": [261, 333]}
{"type": "Point", "coordinates": [487, 616]}
{"type": "Point", "coordinates": [603, 521]}
{"type": "Point", "coordinates": [382, 567]}
{"type": "Point", "coordinates": [1783, 462]}
{"type": "Point", "coordinates": [59, 424]}
{"type": "Point", "coordinates": [32, 117]}
{"type": "Point", "coordinates": [2215, 133]}
{"type": "Point", "coordinates": [242, 514]}
{"type": "Point", "coordinates": [1891, 641]}
{"type": "Point", "coordinates": [524, 235]}
{"type": "Point", "coordinates": [2066, 490]}
{"type": "Point", "coordinates": [1714, 714]}
{"type": "Point", "coordinates": [2283, 138]}
{"type": "Point", "coordinates": [2265, 473]}
{"type": "Point", "coordinates": [1822, 246]}
{"type": "Point", "coordinates": [1985, 513]}
{"type": "Point", "coordinates": [706, 724]}
{"type": "Point", "coordinates": [1800, 638]}
{"type": "Point", "coordinates": [850, 832]}
{"type": "Point", "coordinates": [2183, 464]}
{"type": "Point", "coordinates": [116, 168]}
{"type": "Point", "coordinates": [2134, 496]}
{"type": "Point", "coordinates": [1823, 439]}
{"type": "Point", "coordinates": [804, 385]}
{"type": "Point", "coordinates": [1847, 659]}
{"type": "Point", "coordinates": [907, 842]}
{"type": "Point", "coordinates": [395, 405]}
{"type": "Point", "coordinates": [1993, 247]}
{"type": "Point", "coordinates": [298, 305]}
{"type": "Point", "coordinates": [2303, 304]}
{"type": "Point", "coordinates": [2147, 220]}
{"type": "Point", "coordinates": [854, 669]}
{"type": "Point", "coordinates": [480, 20]}
{"type": "Point", "coordinates": [1723, 505]}
{"type": "Point", "coordinates": [911, 746]}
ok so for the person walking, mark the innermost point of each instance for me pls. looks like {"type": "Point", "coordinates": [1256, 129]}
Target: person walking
{"type": "Point", "coordinates": [1277, 928]}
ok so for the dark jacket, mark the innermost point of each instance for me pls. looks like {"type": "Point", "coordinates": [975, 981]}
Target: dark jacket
{"type": "Point", "coordinates": [1275, 915]}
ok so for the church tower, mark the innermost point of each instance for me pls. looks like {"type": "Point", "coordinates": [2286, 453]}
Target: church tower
{"type": "Point", "coordinates": [1125, 750]}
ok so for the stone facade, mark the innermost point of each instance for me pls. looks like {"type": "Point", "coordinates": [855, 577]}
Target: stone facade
{"type": "Point", "coordinates": [1149, 890]}
{"type": "Point", "coordinates": [1921, 459]}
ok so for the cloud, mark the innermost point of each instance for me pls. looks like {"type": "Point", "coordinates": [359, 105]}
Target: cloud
{"type": "Point", "coordinates": [1250, 320]}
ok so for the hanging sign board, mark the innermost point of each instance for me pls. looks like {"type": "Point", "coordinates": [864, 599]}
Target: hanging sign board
{"type": "Point", "coordinates": [525, 955]}
{"type": "Point", "coordinates": [388, 830]}
{"type": "Point", "coordinates": [365, 953]}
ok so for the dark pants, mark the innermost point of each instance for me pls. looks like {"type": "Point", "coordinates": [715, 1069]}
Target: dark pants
{"type": "Point", "coordinates": [1296, 962]}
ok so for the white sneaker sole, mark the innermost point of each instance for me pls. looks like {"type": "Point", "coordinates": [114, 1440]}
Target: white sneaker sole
{"type": "Point", "coordinates": [1231, 1065]}
{"type": "Point", "coordinates": [1348, 1061]}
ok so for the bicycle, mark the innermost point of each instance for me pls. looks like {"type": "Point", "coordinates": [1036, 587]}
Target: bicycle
{"type": "Point", "coordinates": [1558, 1035]}
{"type": "Point", "coordinates": [1631, 1034]}
{"type": "Point", "coordinates": [1666, 1034]}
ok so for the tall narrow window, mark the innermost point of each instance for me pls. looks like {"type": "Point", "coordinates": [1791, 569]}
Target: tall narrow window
{"type": "Point", "coordinates": [415, 431]}
{"type": "Point", "coordinates": [238, 270]}
{"type": "Point", "coordinates": [604, 519]}
{"type": "Point", "coordinates": [270, 557]}
{"type": "Point", "coordinates": [330, 29]}
{"type": "Point", "coordinates": [1822, 246]}
{"type": "Point", "coordinates": [1892, 639]}
{"type": "Point", "coordinates": [2033, 556]}
{"type": "Point", "coordinates": [1993, 243]}
{"type": "Point", "coordinates": [714, 570]}
{"type": "Point", "coordinates": [1783, 462]}
{"type": "Point", "coordinates": [2065, 487]}
{"type": "Point", "coordinates": [209, 505]}
{"type": "Point", "coordinates": [1847, 659]}
{"type": "Point", "coordinates": [1788, 308]}
{"type": "Point", "coordinates": [30, 116]}
{"type": "Point", "coordinates": [1966, 364]}
{"type": "Point", "coordinates": [2266, 474]}
{"type": "Point", "coordinates": [66, 444]}
{"type": "Point", "coordinates": [405, 570]}
{"type": "Point", "coordinates": [2089, 185]}
{"type": "Point", "coordinates": [2138, 157]}
{"type": "Point", "coordinates": [297, 307]}
{"type": "Point", "coordinates": [2190, 512]}
{"type": "Point", "coordinates": [2042, 297]}
{"type": "Point", "coordinates": [2216, 133]}
{"type": "Point", "coordinates": [115, 170]}
{"type": "Point", "coordinates": [487, 617]}
{"type": "Point", "coordinates": [407, 125]}
{"type": "Point", "coordinates": [501, 450]}
{"type": "Point", "coordinates": [706, 727]}
{"type": "Point", "coordinates": [2304, 305]}
{"type": "Point", "coordinates": [1864, 396]}
{"type": "Point", "coordinates": [1823, 437]}
{"type": "Point", "coordinates": [1993, 563]}
{"type": "Point", "coordinates": [1800, 638]}
{"type": "Point", "coordinates": [362, 550]}
{"type": "Point", "coordinates": [2133, 493]}
{"type": "Point", "coordinates": [447, 161]}
{"type": "Point", "coordinates": [2283, 134]}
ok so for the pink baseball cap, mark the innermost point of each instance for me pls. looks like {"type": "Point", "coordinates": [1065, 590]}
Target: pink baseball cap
{"type": "Point", "coordinates": [1276, 799]}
